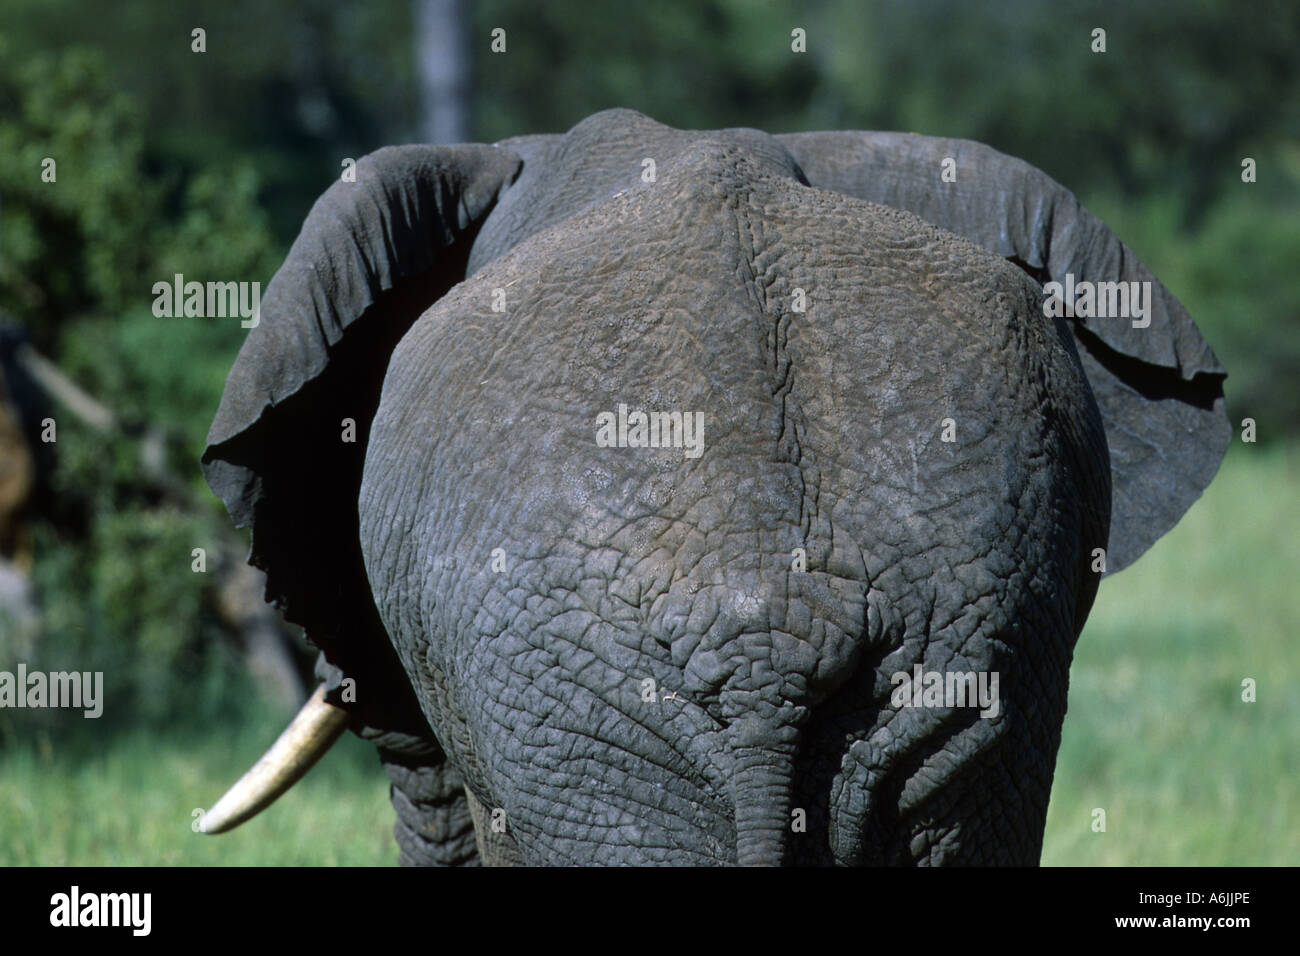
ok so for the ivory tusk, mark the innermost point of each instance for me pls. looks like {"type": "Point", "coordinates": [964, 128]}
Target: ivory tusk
{"type": "Point", "coordinates": [311, 733]}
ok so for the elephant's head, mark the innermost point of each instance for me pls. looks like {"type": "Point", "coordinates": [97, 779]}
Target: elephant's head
{"type": "Point", "coordinates": [413, 433]}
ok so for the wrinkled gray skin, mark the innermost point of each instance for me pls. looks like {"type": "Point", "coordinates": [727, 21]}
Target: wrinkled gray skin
{"type": "Point", "coordinates": [514, 681]}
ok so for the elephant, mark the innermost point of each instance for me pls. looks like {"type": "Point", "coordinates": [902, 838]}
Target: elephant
{"type": "Point", "coordinates": [671, 497]}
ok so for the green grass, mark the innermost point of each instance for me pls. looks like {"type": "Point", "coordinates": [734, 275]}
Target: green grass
{"type": "Point", "coordinates": [1157, 734]}
{"type": "Point", "coordinates": [128, 802]}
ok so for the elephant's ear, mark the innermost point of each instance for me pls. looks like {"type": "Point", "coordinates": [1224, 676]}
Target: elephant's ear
{"type": "Point", "coordinates": [1159, 388]}
{"type": "Point", "coordinates": [286, 449]}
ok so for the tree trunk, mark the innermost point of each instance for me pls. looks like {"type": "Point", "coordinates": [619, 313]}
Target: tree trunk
{"type": "Point", "coordinates": [443, 65]}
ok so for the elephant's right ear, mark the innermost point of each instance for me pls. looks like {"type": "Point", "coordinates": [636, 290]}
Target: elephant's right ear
{"type": "Point", "coordinates": [1159, 386]}
{"type": "Point", "coordinates": [286, 449]}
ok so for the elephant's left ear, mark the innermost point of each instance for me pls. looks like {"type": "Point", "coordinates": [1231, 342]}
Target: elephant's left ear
{"type": "Point", "coordinates": [287, 446]}
{"type": "Point", "coordinates": [1159, 386]}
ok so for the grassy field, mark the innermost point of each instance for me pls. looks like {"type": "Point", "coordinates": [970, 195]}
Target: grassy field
{"type": "Point", "coordinates": [1157, 734]}
{"type": "Point", "coordinates": [130, 803]}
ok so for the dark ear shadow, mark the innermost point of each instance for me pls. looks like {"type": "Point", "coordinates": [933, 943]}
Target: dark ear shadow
{"type": "Point", "coordinates": [291, 477]}
{"type": "Point", "coordinates": [1167, 436]}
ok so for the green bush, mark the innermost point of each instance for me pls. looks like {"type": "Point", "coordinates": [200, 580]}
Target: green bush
{"type": "Point", "coordinates": [112, 572]}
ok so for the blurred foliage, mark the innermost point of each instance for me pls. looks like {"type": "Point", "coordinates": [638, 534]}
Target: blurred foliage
{"type": "Point", "coordinates": [290, 89]}
{"type": "Point", "coordinates": [79, 258]}
{"type": "Point", "coordinates": [68, 244]}
{"type": "Point", "coordinates": [92, 242]}
{"type": "Point", "coordinates": [116, 604]}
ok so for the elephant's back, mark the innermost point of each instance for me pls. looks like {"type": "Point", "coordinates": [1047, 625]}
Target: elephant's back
{"type": "Point", "coordinates": [821, 341]}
